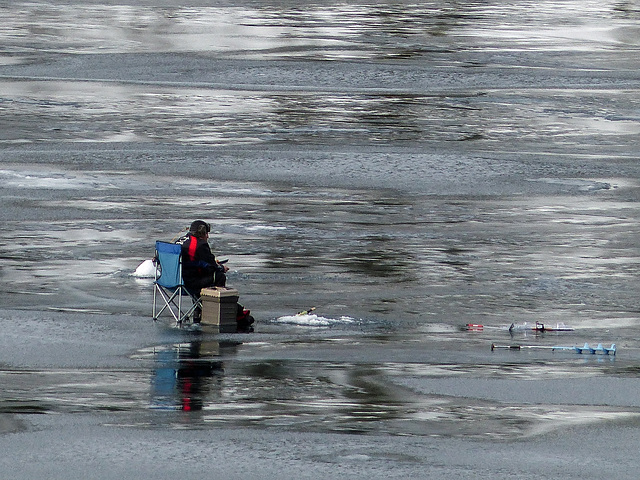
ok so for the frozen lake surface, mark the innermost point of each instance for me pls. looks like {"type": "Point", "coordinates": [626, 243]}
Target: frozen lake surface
{"type": "Point", "coordinates": [405, 168]}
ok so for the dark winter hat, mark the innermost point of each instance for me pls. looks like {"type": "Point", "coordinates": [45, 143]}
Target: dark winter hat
{"type": "Point", "coordinates": [199, 228]}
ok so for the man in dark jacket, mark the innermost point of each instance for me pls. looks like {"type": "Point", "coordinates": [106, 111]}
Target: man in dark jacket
{"type": "Point", "coordinates": [200, 269]}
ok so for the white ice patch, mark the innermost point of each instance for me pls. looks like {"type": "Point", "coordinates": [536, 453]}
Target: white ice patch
{"type": "Point", "coordinates": [313, 320]}
{"type": "Point", "coordinates": [438, 328]}
{"type": "Point", "coordinates": [255, 228]}
{"type": "Point", "coordinates": [145, 270]}
{"type": "Point", "coordinates": [54, 180]}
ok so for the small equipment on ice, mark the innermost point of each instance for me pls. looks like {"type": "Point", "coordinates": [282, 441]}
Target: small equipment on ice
{"type": "Point", "coordinates": [305, 312]}
{"type": "Point", "coordinates": [575, 349]}
{"type": "Point", "coordinates": [523, 327]}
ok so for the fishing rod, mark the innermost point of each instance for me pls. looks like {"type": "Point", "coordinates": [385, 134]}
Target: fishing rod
{"type": "Point", "coordinates": [575, 349]}
{"type": "Point", "coordinates": [535, 327]}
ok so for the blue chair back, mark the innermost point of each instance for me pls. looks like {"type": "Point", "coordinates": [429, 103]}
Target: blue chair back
{"type": "Point", "coordinates": [168, 255]}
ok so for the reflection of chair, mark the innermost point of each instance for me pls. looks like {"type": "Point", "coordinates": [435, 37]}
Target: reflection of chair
{"type": "Point", "coordinates": [183, 375]}
{"type": "Point", "coordinates": [168, 285]}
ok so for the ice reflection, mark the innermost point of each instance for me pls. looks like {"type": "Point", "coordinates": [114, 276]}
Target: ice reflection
{"type": "Point", "coordinates": [368, 399]}
{"type": "Point", "coordinates": [385, 255]}
{"type": "Point", "coordinates": [71, 391]}
{"type": "Point", "coordinates": [328, 30]}
{"type": "Point", "coordinates": [378, 113]}
{"type": "Point", "coordinates": [207, 384]}
{"type": "Point", "coordinates": [186, 374]}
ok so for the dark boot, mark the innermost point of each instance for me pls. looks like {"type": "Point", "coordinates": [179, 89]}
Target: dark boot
{"type": "Point", "coordinates": [197, 315]}
{"type": "Point", "coordinates": [244, 320]}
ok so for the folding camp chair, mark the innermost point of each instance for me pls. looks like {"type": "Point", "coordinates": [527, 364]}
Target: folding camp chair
{"type": "Point", "coordinates": [169, 287]}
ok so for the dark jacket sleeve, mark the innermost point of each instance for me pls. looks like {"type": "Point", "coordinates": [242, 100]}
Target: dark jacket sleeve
{"type": "Point", "coordinates": [203, 254]}
{"type": "Point", "coordinates": [203, 260]}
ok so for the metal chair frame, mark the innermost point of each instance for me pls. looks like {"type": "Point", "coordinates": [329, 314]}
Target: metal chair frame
{"type": "Point", "coordinates": [171, 288]}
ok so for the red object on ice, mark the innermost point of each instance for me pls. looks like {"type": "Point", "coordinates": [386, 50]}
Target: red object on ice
{"type": "Point", "coordinates": [474, 326]}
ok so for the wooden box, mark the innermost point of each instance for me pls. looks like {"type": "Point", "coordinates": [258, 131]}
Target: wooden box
{"type": "Point", "coordinates": [220, 308]}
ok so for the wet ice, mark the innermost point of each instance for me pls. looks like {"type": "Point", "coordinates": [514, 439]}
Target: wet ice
{"type": "Point", "coordinates": [407, 169]}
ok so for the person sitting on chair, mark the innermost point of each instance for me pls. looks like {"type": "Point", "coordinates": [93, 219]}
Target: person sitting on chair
{"type": "Point", "coordinates": [200, 269]}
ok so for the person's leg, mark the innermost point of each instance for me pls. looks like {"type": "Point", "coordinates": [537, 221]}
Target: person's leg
{"type": "Point", "coordinates": [197, 313]}
{"type": "Point", "coordinates": [195, 287]}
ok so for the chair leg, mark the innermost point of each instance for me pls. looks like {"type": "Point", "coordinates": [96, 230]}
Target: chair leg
{"type": "Point", "coordinates": [155, 295]}
{"type": "Point", "coordinates": [195, 303]}
{"type": "Point", "coordinates": [173, 302]}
